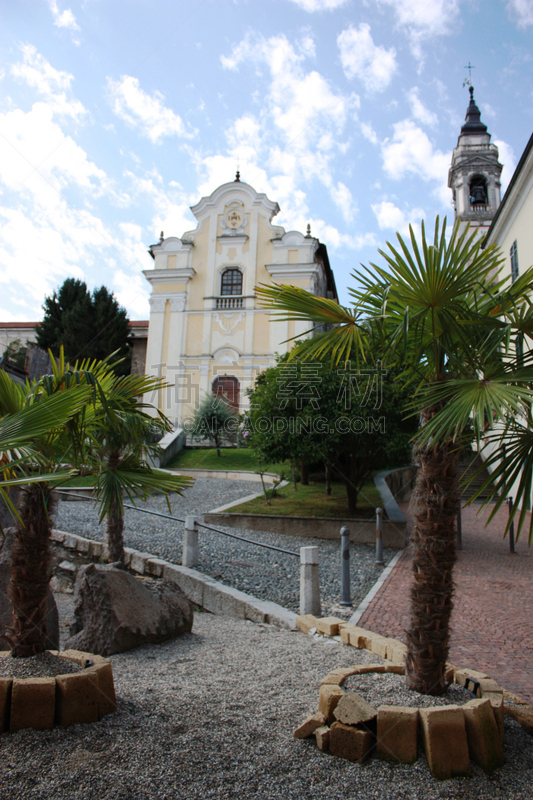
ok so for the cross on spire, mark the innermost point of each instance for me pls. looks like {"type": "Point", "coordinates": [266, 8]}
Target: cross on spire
{"type": "Point", "coordinates": [468, 81]}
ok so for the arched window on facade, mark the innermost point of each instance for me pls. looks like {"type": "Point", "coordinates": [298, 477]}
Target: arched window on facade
{"type": "Point", "coordinates": [478, 191]}
{"type": "Point", "coordinates": [227, 386]}
{"type": "Point", "coordinates": [231, 282]}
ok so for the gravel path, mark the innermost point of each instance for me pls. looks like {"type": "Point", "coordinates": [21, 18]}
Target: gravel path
{"type": "Point", "coordinates": [264, 573]}
{"type": "Point", "coordinates": [211, 715]}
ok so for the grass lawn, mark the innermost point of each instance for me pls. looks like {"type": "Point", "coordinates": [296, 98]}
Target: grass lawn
{"type": "Point", "coordinates": [312, 501]}
{"type": "Point", "coordinates": [78, 481]}
{"type": "Point", "coordinates": [230, 458]}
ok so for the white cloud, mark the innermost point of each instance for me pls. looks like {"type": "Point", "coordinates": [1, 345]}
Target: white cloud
{"type": "Point", "coordinates": [423, 20]}
{"type": "Point", "coordinates": [63, 19]}
{"type": "Point", "coordinates": [411, 151]}
{"type": "Point", "coordinates": [362, 59]}
{"type": "Point", "coordinates": [369, 133]}
{"type": "Point", "coordinates": [507, 158]}
{"type": "Point", "coordinates": [319, 5]}
{"type": "Point", "coordinates": [522, 10]}
{"type": "Point", "coordinates": [145, 112]}
{"type": "Point", "coordinates": [342, 197]}
{"type": "Point", "coordinates": [52, 84]}
{"type": "Point", "coordinates": [418, 109]}
{"type": "Point", "coordinates": [390, 216]}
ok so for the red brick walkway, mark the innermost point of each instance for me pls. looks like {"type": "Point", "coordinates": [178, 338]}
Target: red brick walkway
{"type": "Point", "coordinates": [492, 620]}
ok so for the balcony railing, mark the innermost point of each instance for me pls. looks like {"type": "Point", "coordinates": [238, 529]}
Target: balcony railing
{"type": "Point", "coordinates": [229, 302]}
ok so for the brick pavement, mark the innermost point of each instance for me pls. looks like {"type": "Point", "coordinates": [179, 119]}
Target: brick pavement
{"type": "Point", "coordinates": [492, 619]}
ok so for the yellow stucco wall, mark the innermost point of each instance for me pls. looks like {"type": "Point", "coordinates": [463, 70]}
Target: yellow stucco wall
{"type": "Point", "coordinates": [194, 341]}
{"type": "Point", "coordinates": [200, 253]}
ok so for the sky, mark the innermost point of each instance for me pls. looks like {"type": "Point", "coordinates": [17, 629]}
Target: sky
{"type": "Point", "coordinates": [117, 115]}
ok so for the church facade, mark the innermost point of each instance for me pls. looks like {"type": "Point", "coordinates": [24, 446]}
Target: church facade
{"type": "Point", "coordinates": [207, 332]}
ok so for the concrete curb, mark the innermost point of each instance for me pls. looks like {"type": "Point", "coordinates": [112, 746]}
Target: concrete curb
{"type": "Point", "coordinates": [226, 474]}
{"type": "Point", "coordinates": [201, 589]}
{"type": "Point", "coordinates": [365, 602]}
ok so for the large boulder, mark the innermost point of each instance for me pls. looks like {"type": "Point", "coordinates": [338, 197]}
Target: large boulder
{"type": "Point", "coordinates": [52, 617]}
{"type": "Point", "coordinates": [115, 611]}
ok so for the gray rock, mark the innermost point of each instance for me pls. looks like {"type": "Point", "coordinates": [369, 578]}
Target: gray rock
{"type": "Point", "coordinates": [115, 611]}
{"type": "Point", "coordinates": [52, 618]}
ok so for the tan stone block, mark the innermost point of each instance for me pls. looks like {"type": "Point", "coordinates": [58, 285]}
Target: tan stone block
{"type": "Point", "coordinates": [379, 645]}
{"type": "Point", "coordinates": [496, 701]}
{"type": "Point", "coordinates": [512, 697]}
{"type": "Point", "coordinates": [449, 673]}
{"type": "Point", "coordinates": [309, 726]}
{"type": "Point", "coordinates": [107, 701]}
{"type": "Point", "coordinates": [488, 685]}
{"type": "Point", "coordinates": [523, 715]}
{"type": "Point", "coordinates": [396, 651]}
{"type": "Point", "coordinates": [305, 622]}
{"type": "Point", "coordinates": [352, 709]}
{"type": "Point", "coordinates": [32, 703]}
{"type": "Point", "coordinates": [322, 738]}
{"type": "Point", "coordinates": [328, 698]}
{"type": "Point", "coordinates": [396, 669]}
{"type": "Point", "coordinates": [78, 656]}
{"type": "Point", "coordinates": [76, 698]}
{"type": "Point", "coordinates": [445, 742]}
{"type": "Point", "coordinates": [359, 637]}
{"type": "Point", "coordinates": [339, 675]}
{"type": "Point", "coordinates": [461, 676]}
{"type": "Point", "coordinates": [397, 734]}
{"type": "Point", "coordinates": [353, 744]}
{"type": "Point", "coordinates": [5, 702]}
{"type": "Point", "coordinates": [329, 625]}
{"type": "Point", "coordinates": [4, 653]}
{"type": "Point", "coordinates": [484, 742]}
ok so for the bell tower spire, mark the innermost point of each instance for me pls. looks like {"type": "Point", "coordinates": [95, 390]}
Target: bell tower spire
{"type": "Point", "coordinates": [474, 175]}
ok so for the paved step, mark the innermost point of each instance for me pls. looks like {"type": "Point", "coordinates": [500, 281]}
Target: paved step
{"type": "Point", "coordinates": [467, 466]}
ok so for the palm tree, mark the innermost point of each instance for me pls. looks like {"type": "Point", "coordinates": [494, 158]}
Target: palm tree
{"type": "Point", "coordinates": [439, 312]}
{"type": "Point", "coordinates": [84, 416]}
{"type": "Point", "coordinates": [32, 444]}
{"type": "Point", "coordinates": [122, 443]}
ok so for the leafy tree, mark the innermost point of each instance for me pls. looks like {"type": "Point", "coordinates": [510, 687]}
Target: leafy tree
{"type": "Point", "coordinates": [351, 419]}
{"type": "Point", "coordinates": [214, 419]}
{"type": "Point", "coordinates": [438, 312]}
{"type": "Point", "coordinates": [87, 326]}
{"type": "Point", "coordinates": [15, 353]}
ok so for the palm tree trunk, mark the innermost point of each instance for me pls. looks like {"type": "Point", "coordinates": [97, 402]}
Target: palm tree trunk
{"type": "Point", "coordinates": [31, 562]}
{"type": "Point", "coordinates": [114, 536]}
{"type": "Point", "coordinates": [328, 478]}
{"type": "Point", "coordinates": [435, 508]}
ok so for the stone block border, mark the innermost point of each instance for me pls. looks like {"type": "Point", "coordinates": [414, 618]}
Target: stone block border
{"type": "Point", "coordinates": [201, 589]}
{"type": "Point", "coordinates": [41, 703]}
{"type": "Point", "coordinates": [452, 736]}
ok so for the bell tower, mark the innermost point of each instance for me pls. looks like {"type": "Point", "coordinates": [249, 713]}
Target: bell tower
{"type": "Point", "coordinates": [474, 175]}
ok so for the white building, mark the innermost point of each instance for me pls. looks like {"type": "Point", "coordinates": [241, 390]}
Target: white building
{"type": "Point", "coordinates": [207, 332]}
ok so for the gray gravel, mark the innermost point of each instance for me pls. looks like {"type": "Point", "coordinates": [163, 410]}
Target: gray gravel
{"type": "Point", "coordinates": [43, 665]}
{"type": "Point", "coordinates": [391, 689]}
{"type": "Point", "coordinates": [211, 715]}
{"type": "Point", "coordinates": [264, 573]}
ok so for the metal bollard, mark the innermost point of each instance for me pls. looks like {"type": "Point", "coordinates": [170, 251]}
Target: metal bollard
{"type": "Point", "coordinates": [189, 556]}
{"type": "Point", "coordinates": [511, 527]}
{"type": "Point", "coordinates": [379, 537]}
{"type": "Point", "coordinates": [459, 529]}
{"type": "Point", "coordinates": [345, 567]}
{"type": "Point", "coordinates": [309, 584]}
